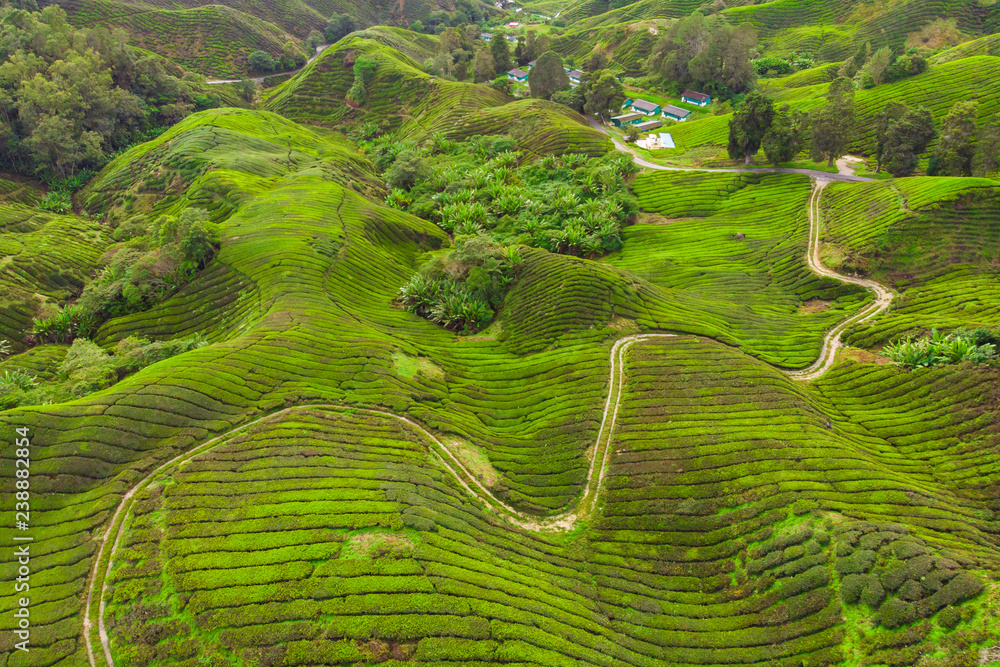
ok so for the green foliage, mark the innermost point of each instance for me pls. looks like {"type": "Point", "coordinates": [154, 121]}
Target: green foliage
{"type": "Point", "coordinates": [787, 136]}
{"type": "Point", "coordinates": [408, 169]}
{"type": "Point", "coordinates": [501, 55]}
{"type": "Point", "coordinates": [901, 135]}
{"type": "Point", "coordinates": [573, 204]}
{"type": "Point", "coordinates": [339, 26]}
{"type": "Point", "coordinates": [461, 289]}
{"type": "Point", "coordinates": [938, 349]}
{"type": "Point", "coordinates": [364, 72]}
{"type": "Point", "coordinates": [547, 76]}
{"type": "Point", "coordinates": [706, 54]}
{"type": "Point", "coordinates": [71, 97]}
{"type": "Point", "coordinates": [957, 145]}
{"type": "Point", "coordinates": [603, 94]}
{"type": "Point", "coordinates": [261, 61]}
{"type": "Point", "coordinates": [834, 125]}
{"type": "Point", "coordinates": [749, 124]}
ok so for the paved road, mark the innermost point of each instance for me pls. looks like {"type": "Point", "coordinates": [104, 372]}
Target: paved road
{"type": "Point", "coordinates": [642, 162]}
{"type": "Point", "coordinates": [260, 79]}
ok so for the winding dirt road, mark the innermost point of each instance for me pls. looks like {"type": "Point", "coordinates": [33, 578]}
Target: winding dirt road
{"type": "Point", "coordinates": [598, 454]}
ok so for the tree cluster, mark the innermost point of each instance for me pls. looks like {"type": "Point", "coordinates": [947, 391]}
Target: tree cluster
{"type": "Point", "coordinates": [570, 204]}
{"type": "Point", "coordinates": [466, 12]}
{"type": "Point", "coordinates": [870, 68]}
{"type": "Point", "coordinates": [828, 131]}
{"type": "Point", "coordinates": [963, 148]}
{"type": "Point", "coordinates": [151, 262]}
{"type": "Point", "coordinates": [706, 53]}
{"type": "Point", "coordinates": [69, 97]}
{"type": "Point", "coordinates": [339, 26]}
{"type": "Point", "coordinates": [291, 58]}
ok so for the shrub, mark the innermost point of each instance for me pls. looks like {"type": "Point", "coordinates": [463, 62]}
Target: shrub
{"type": "Point", "coordinates": [857, 563]}
{"type": "Point", "coordinates": [904, 549]}
{"type": "Point", "coordinates": [937, 349]}
{"type": "Point", "coordinates": [895, 613]}
{"type": "Point", "coordinates": [873, 593]}
{"type": "Point", "coordinates": [851, 587]}
{"type": "Point", "coordinates": [949, 617]}
{"type": "Point", "coordinates": [893, 576]}
{"type": "Point", "coordinates": [911, 590]}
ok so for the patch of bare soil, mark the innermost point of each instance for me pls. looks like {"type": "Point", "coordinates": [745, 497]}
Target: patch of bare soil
{"type": "Point", "coordinates": [814, 306]}
{"type": "Point", "coordinates": [862, 356]}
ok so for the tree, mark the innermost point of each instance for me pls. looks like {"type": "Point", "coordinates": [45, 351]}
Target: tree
{"type": "Point", "coordinates": [706, 53]}
{"type": "Point", "coordinates": [632, 134]}
{"type": "Point", "coordinates": [787, 135]}
{"type": "Point", "coordinates": [987, 158]}
{"type": "Point", "coordinates": [482, 66]}
{"type": "Point", "coordinates": [261, 61]}
{"type": "Point", "coordinates": [408, 170]}
{"type": "Point", "coordinates": [570, 97]}
{"type": "Point", "coordinates": [957, 146]}
{"type": "Point", "coordinates": [547, 76]}
{"type": "Point", "coordinates": [501, 54]}
{"type": "Point", "coordinates": [248, 90]}
{"type": "Point", "coordinates": [339, 26]}
{"type": "Point", "coordinates": [501, 83]}
{"type": "Point", "coordinates": [890, 113]}
{"type": "Point", "coordinates": [453, 39]}
{"type": "Point", "coordinates": [314, 40]}
{"type": "Point", "coordinates": [529, 46]}
{"type": "Point", "coordinates": [292, 56]}
{"type": "Point", "coordinates": [603, 94]}
{"type": "Point", "coordinates": [874, 70]}
{"type": "Point", "coordinates": [749, 124]}
{"type": "Point", "coordinates": [418, 26]}
{"type": "Point", "coordinates": [597, 60]}
{"type": "Point", "coordinates": [905, 139]}
{"type": "Point", "coordinates": [833, 126]}
{"type": "Point", "coordinates": [724, 64]}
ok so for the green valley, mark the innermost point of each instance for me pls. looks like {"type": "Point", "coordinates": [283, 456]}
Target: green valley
{"type": "Point", "coordinates": [650, 333]}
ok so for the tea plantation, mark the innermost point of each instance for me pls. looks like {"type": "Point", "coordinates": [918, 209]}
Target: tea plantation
{"type": "Point", "coordinates": [622, 468]}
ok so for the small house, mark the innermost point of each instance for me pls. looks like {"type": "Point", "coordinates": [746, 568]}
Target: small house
{"type": "Point", "coordinates": [699, 99]}
{"type": "Point", "coordinates": [649, 125]}
{"type": "Point", "coordinates": [574, 77]}
{"type": "Point", "coordinates": [485, 36]}
{"type": "Point", "coordinates": [648, 108]}
{"type": "Point", "coordinates": [531, 64]}
{"type": "Point", "coordinates": [517, 76]}
{"type": "Point", "coordinates": [675, 113]}
{"type": "Point", "coordinates": [666, 141]}
{"type": "Point", "coordinates": [626, 119]}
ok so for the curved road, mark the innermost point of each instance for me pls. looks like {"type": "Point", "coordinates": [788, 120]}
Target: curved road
{"type": "Point", "coordinates": [599, 453]}
{"type": "Point", "coordinates": [642, 162]}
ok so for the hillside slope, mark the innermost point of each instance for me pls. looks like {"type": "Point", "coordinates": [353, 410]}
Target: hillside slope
{"type": "Point", "coordinates": [405, 99]}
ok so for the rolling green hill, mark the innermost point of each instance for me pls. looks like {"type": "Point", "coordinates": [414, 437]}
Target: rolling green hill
{"type": "Point", "coordinates": [405, 99]}
{"type": "Point", "coordinates": [622, 470]}
{"type": "Point", "coordinates": [703, 140]}
{"type": "Point", "coordinates": [746, 518]}
{"type": "Point", "coordinates": [933, 239]}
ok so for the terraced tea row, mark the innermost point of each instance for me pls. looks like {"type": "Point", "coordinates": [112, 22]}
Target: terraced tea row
{"type": "Point", "coordinates": [934, 240]}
